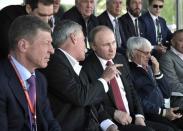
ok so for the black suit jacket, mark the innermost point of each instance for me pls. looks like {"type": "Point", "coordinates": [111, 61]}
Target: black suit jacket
{"type": "Point", "coordinates": [147, 89]}
{"type": "Point", "coordinates": [7, 16]}
{"type": "Point", "coordinates": [74, 15]}
{"type": "Point", "coordinates": [93, 69]}
{"type": "Point", "coordinates": [14, 114]}
{"type": "Point", "coordinates": [128, 26]}
{"type": "Point", "coordinates": [71, 95]}
{"type": "Point", "coordinates": [105, 20]}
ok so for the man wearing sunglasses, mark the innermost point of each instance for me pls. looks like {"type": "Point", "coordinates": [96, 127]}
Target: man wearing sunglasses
{"type": "Point", "coordinates": [156, 30]}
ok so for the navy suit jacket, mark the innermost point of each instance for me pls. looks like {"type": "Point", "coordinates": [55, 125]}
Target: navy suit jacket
{"type": "Point", "coordinates": [94, 70]}
{"type": "Point", "coordinates": [14, 114]}
{"type": "Point", "coordinates": [105, 20]}
{"type": "Point", "coordinates": [147, 89]}
{"type": "Point", "coordinates": [128, 26]}
{"type": "Point", "coordinates": [150, 32]}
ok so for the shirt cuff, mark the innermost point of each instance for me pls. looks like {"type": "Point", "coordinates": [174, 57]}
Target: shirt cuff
{"type": "Point", "coordinates": [162, 112]}
{"type": "Point", "coordinates": [139, 115]}
{"type": "Point", "coordinates": [105, 124]}
{"type": "Point", "coordinates": [106, 88]}
{"type": "Point", "coordinates": [159, 76]}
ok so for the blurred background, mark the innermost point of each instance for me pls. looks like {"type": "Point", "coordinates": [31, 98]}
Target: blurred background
{"type": "Point", "coordinates": [172, 11]}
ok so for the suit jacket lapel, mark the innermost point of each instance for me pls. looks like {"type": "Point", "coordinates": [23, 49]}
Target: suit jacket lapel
{"type": "Point", "coordinates": [178, 59]}
{"type": "Point", "coordinates": [63, 59]}
{"type": "Point", "coordinates": [108, 21]}
{"type": "Point", "coordinates": [152, 28]}
{"type": "Point", "coordinates": [16, 87]}
{"type": "Point", "coordinates": [40, 118]}
{"type": "Point", "coordinates": [130, 25]}
{"type": "Point", "coordinates": [99, 70]}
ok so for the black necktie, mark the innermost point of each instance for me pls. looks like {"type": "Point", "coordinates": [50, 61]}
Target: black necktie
{"type": "Point", "coordinates": [136, 27]}
{"type": "Point", "coordinates": [117, 33]}
{"type": "Point", "coordinates": [158, 32]}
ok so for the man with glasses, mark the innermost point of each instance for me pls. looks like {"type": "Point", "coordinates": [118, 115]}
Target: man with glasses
{"type": "Point", "coordinates": [151, 85]}
{"type": "Point", "coordinates": [156, 30]}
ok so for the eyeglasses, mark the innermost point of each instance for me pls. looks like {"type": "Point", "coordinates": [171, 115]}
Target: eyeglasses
{"type": "Point", "coordinates": [144, 52]}
{"type": "Point", "coordinates": [156, 6]}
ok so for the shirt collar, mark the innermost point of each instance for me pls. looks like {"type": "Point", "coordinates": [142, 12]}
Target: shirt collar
{"type": "Point", "coordinates": [177, 52]}
{"type": "Point", "coordinates": [132, 17]}
{"type": "Point", "coordinates": [153, 16]}
{"type": "Point", "coordinates": [23, 72]}
{"type": "Point", "coordinates": [111, 17]}
{"type": "Point", "coordinates": [74, 63]}
{"type": "Point", "coordinates": [103, 61]}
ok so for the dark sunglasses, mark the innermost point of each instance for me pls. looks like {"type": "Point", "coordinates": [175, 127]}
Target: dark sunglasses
{"type": "Point", "coordinates": [156, 6]}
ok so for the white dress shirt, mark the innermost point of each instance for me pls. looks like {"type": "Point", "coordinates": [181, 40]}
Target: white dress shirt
{"type": "Point", "coordinates": [77, 68]}
{"type": "Point", "coordinates": [177, 52]}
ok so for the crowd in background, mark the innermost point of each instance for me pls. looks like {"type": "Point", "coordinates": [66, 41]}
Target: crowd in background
{"type": "Point", "coordinates": [74, 71]}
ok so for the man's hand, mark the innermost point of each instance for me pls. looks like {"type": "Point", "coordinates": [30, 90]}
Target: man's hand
{"type": "Point", "coordinates": [122, 117]}
{"type": "Point", "coordinates": [171, 115]}
{"type": "Point", "coordinates": [111, 71]}
{"type": "Point", "coordinates": [139, 121]}
{"type": "Point", "coordinates": [112, 127]}
{"type": "Point", "coordinates": [155, 65]}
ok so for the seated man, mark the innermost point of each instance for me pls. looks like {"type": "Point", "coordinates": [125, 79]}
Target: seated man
{"type": "Point", "coordinates": [82, 13]}
{"type": "Point", "coordinates": [40, 8]}
{"type": "Point", "coordinates": [23, 93]}
{"type": "Point", "coordinates": [150, 83]}
{"type": "Point", "coordinates": [71, 95]}
{"type": "Point", "coordinates": [156, 30]}
{"type": "Point", "coordinates": [121, 101]}
{"type": "Point", "coordinates": [109, 18]}
{"type": "Point", "coordinates": [171, 65]}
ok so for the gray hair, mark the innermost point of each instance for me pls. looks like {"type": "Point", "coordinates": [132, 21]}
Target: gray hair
{"type": "Point", "coordinates": [134, 43]}
{"type": "Point", "coordinates": [63, 30]}
{"type": "Point", "coordinates": [26, 27]}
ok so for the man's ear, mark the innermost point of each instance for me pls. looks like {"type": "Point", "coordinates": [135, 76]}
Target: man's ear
{"type": "Point", "coordinates": [172, 42]}
{"type": "Point", "coordinates": [22, 45]}
{"type": "Point", "coordinates": [93, 46]}
{"type": "Point", "coordinates": [28, 8]}
{"type": "Point", "coordinates": [73, 38]}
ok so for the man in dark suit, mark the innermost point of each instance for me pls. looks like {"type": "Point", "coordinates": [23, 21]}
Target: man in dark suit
{"type": "Point", "coordinates": [109, 18]}
{"type": "Point", "coordinates": [150, 83]}
{"type": "Point", "coordinates": [130, 118]}
{"type": "Point", "coordinates": [58, 12]}
{"type": "Point", "coordinates": [82, 13]}
{"type": "Point", "coordinates": [130, 21]}
{"type": "Point", "coordinates": [40, 8]}
{"type": "Point", "coordinates": [23, 95]}
{"type": "Point", "coordinates": [70, 93]}
{"type": "Point", "coordinates": [156, 30]}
